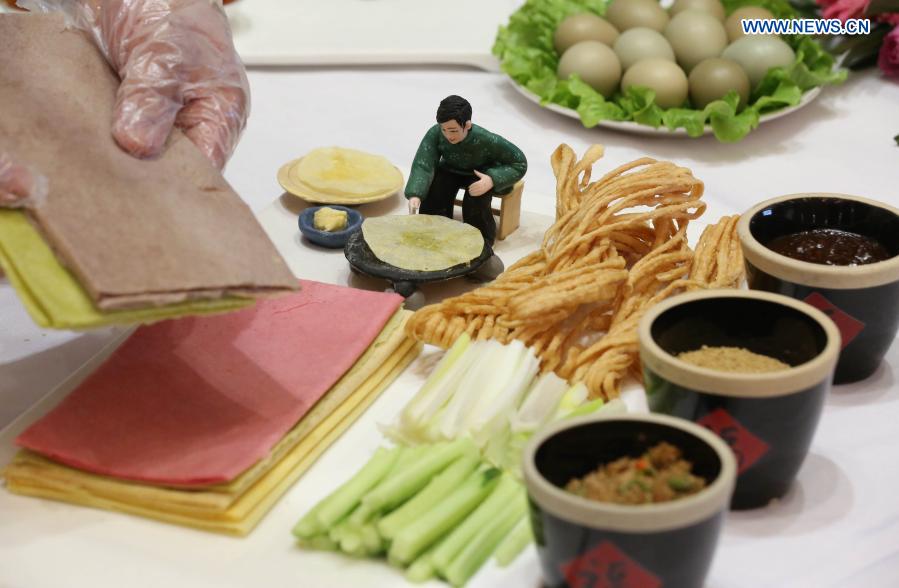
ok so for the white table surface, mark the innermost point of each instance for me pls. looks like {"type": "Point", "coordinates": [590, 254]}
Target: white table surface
{"type": "Point", "coordinates": [340, 32]}
{"type": "Point", "coordinates": [838, 527]}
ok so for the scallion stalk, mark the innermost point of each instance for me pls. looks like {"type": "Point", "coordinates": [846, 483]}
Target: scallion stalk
{"type": "Point", "coordinates": [410, 542]}
{"type": "Point", "coordinates": [439, 385]}
{"type": "Point", "coordinates": [484, 543]}
{"type": "Point", "coordinates": [518, 538]}
{"type": "Point", "coordinates": [404, 483]}
{"type": "Point", "coordinates": [336, 505]}
{"type": "Point", "coordinates": [437, 489]}
{"type": "Point", "coordinates": [483, 516]}
{"type": "Point", "coordinates": [421, 569]}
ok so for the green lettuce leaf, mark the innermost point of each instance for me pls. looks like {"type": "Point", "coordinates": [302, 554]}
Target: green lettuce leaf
{"type": "Point", "coordinates": [525, 49]}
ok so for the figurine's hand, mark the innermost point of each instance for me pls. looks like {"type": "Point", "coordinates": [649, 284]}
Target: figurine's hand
{"type": "Point", "coordinates": [178, 66]}
{"type": "Point", "coordinates": [482, 186]}
{"type": "Point", "coordinates": [19, 184]}
{"type": "Point", "coordinates": [414, 205]}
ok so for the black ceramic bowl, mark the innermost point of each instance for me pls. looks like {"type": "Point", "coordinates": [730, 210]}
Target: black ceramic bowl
{"type": "Point", "coordinates": [769, 418]}
{"type": "Point", "coordinates": [584, 543]}
{"type": "Point", "coordinates": [863, 300]}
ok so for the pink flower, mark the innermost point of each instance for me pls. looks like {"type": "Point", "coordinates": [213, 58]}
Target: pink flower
{"type": "Point", "coordinates": [843, 9]}
{"type": "Point", "coordinates": [888, 61]}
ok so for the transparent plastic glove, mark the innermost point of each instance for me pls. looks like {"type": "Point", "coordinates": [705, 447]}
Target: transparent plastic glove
{"type": "Point", "coordinates": [19, 184]}
{"type": "Point", "coordinates": [178, 66]}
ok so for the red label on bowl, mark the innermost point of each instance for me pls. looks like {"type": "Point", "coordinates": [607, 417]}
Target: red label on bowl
{"type": "Point", "coordinates": [606, 566]}
{"type": "Point", "coordinates": [747, 447]}
{"type": "Point", "coordinates": [848, 325]}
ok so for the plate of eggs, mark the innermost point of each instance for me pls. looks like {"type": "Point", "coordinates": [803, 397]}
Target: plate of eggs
{"type": "Point", "coordinates": [689, 55]}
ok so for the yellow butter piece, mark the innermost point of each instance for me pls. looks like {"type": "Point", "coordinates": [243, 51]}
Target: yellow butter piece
{"type": "Point", "coordinates": [329, 219]}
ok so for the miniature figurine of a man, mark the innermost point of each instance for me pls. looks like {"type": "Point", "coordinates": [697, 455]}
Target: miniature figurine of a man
{"type": "Point", "coordinates": [456, 154]}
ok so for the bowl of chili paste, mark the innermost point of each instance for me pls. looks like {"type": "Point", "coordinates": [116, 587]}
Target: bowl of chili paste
{"type": "Point", "coordinates": [839, 253]}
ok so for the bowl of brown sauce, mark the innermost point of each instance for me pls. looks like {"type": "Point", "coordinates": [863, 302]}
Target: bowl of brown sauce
{"type": "Point", "coordinates": [754, 367]}
{"type": "Point", "coordinates": [627, 500]}
{"type": "Point", "coordinates": [840, 254]}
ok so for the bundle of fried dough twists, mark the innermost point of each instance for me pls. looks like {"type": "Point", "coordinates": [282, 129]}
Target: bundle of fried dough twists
{"type": "Point", "coordinates": [618, 246]}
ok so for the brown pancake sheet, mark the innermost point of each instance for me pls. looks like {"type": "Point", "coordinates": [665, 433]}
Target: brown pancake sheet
{"type": "Point", "coordinates": [134, 232]}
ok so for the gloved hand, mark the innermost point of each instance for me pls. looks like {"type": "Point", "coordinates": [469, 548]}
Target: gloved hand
{"type": "Point", "coordinates": [19, 184]}
{"type": "Point", "coordinates": [178, 66]}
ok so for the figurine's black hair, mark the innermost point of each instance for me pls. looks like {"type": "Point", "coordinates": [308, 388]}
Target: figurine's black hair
{"type": "Point", "coordinates": [454, 108]}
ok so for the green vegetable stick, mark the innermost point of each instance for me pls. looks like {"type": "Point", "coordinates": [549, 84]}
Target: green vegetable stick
{"type": "Point", "coordinates": [399, 486]}
{"type": "Point", "coordinates": [415, 538]}
{"type": "Point", "coordinates": [357, 541]}
{"type": "Point", "coordinates": [351, 543]}
{"type": "Point", "coordinates": [364, 514]}
{"type": "Point", "coordinates": [586, 408]}
{"type": "Point", "coordinates": [506, 491]}
{"type": "Point", "coordinates": [421, 569]}
{"type": "Point", "coordinates": [339, 531]}
{"type": "Point", "coordinates": [361, 516]}
{"type": "Point", "coordinates": [329, 510]}
{"type": "Point", "coordinates": [518, 538]}
{"type": "Point", "coordinates": [482, 545]}
{"type": "Point", "coordinates": [408, 456]}
{"type": "Point", "coordinates": [308, 527]}
{"type": "Point", "coordinates": [394, 561]}
{"type": "Point", "coordinates": [318, 543]}
{"type": "Point", "coordinates": [419, 405]}
{"type": "Point", "coordinates": [372, 540]}
{"type": "Point", "coordinates": [440, 486]}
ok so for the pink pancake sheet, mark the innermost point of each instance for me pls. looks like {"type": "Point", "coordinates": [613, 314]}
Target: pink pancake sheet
{"type": "Point", "coordinates": [199, 400]}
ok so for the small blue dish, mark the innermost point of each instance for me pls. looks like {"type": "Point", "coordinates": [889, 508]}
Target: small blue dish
{"type": "Point", "coordinates": [331, 239]}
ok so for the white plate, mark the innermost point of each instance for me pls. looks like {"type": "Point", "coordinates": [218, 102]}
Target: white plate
{"type": "Point", "coordinates": [637, 128]}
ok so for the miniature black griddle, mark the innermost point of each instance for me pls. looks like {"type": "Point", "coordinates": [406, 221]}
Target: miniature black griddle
{"type": "Point", "coordinates": [404, 282]}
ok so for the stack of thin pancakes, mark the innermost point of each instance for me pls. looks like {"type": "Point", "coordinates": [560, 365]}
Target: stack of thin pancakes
{"type": "Point", "coordinates": [337, 175]}
{"type": "Point", "coordinates": [117, 239]}
{"type": "Point", "coordinates": [207, 421]}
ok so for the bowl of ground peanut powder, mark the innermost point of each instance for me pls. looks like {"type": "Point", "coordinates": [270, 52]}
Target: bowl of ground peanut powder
{"type": "Point", "coordinates": [753, 367]}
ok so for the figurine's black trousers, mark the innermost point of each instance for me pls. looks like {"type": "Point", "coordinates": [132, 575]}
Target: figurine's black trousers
{"type": "Point", "coordinates": [476, 210]}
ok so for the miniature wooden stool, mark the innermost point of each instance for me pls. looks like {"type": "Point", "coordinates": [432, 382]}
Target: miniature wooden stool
{"type": "Point", "coordinates": [509, 211]}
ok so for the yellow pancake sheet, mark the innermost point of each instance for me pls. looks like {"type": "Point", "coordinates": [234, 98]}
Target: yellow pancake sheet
{"type": "Point", "coordinates": [218, 497]}
{"type": "Point", "coordinates": [422, 242]}
{"type": "Point", "coordinates": [347, 172]}
{"type": "Point", "coordinates": [336, 175]}
{"type": "Point", "coordinates": [239, 512]}
{"type": "Point", "coordinates": [55, 299]}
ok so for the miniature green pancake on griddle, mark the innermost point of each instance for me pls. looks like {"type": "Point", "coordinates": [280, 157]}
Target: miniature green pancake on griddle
{"type": "Point", "coordinates": [422, 242]}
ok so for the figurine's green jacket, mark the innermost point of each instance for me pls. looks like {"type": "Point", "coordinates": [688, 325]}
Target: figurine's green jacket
{"type": "Point", "coordinates": [480, 150]}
